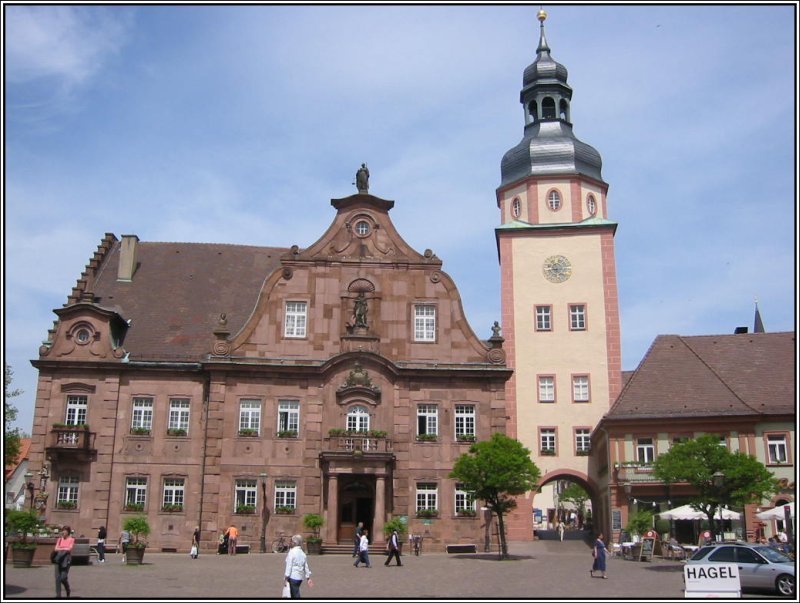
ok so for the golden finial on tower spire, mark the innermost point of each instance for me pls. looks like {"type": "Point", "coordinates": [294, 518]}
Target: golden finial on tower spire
{"type": "Point", "coordinates": [541, 15]}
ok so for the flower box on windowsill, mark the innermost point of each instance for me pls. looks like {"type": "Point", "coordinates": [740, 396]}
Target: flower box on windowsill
{"type": "Point", "coordinates": [140, 431]}
{"type": "Point", "coordinates": [466, 513]}
{"type": "Point", "coordinates": [465, 437]}
{"type": "Point", "coordinates": [427, 437]}
{"type": "Point", "coordinates": [427, 513]}
{"type": "Point", "coordinates": [583, 452]}
{"type": "Point", "coordinates": [177, 432]}
{"type": "Point", "coordinates": [287, 434]}
{"type": "Point", "coordinates": [172, 509]}
{"type": "Point", "coordinates": [284, 510]}
{"type": "Point", "coordinates": [245, 510]}
{"type": "Point", "coordinates": [64, 505]}
{"type": "Point", "coordinates": [547, 452]}
{"type": "Point", "coordinates": [248, 433]}
{"type": "Point", "coordinates": [133, 508]}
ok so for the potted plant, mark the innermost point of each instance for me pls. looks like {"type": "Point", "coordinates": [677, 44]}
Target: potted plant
{"type": "Point", "coordinates": [138, 527]}
{"type": "Point", "coordinates": [133, 507]}
{"type": "Point", "coordinates": [176, 431]}
{"type": "Point", "coordinates": [245, 509]}
{"type": "Point", "coordinates": [377, 433]}
{"type": "Point", "coordinates": [172, 508]}
{"type": "Point", "coordinates": [140, 431]}
{"type": "Point", "coordinates": [465, 437]}
{"type": "Point", "coordinates": [66, 504]}
{"type": "Point", "coordinates": [466, 513]}
{"type": "Point", "coordinates": [284, 510]}
{"type": "Point", "coordinates": [427, 437]}
{"type": "Point", "coordinates": [427, 513]}
{"type": "Point", "coordinates": [22, 523]}
{"type": "Point", "coordinates": [336, 431]}
{"type": "Point", "coordinates": [313, 522]}
{"type": "Point", "coordinates": [287, 433]}
{"type": "Point", "coordinates": [248, 433]}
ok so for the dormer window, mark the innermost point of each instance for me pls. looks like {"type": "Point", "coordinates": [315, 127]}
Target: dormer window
{"type": "Point", "coordinates": [554, 200]}
{"type": "Point", "coordinates": [82, 333]}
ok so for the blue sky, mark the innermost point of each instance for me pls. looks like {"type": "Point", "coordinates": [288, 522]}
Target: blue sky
{"type": "Point", "coordinates": [238, 124]}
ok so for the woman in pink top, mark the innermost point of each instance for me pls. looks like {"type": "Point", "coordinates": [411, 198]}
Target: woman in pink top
{"type": "Point", "coordinates": [62, 558]}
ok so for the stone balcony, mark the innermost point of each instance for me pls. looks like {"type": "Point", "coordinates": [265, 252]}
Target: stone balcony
{"type": "Point", "coordinates": [68, 443]}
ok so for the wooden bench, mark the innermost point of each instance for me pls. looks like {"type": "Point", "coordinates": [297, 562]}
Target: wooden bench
{"type": "Point", "coordinates": [461, 548]}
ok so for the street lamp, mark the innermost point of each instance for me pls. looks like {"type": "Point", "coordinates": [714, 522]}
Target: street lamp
{"type": "Point", "coordinates": [264, 518]}
{"type": "Point", "coordinates": [718, 479]}
{"type": "Point", "coordinates": [41, 499]}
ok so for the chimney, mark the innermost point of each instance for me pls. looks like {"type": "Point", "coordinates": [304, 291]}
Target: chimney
{"type": "Point", "coordinates": [127, 258]}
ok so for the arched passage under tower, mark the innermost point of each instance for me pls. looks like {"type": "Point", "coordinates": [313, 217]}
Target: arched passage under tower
{"type": "Point", "coordinates": [565, 497]}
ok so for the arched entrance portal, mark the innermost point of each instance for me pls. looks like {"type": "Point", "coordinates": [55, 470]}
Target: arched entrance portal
{"type": "Point", "coordinates": [356, 504]}
{"type": "Point", "coordinates": [568, 498]}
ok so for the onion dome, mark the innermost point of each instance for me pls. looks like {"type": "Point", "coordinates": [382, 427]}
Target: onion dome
{"type": "Point", "coordinates": [548, 145]}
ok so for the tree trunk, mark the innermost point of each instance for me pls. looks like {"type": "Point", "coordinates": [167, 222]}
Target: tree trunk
{"type": "Point", "coordinates": [502, 533]}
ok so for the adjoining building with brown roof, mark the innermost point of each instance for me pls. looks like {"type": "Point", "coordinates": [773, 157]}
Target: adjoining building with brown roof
{"type": "Point", "coordinates": [739, 386]}
{"type": "Point", "coordinates": [16, 480]}
{"type": "Point", "coordinates": [211, 385]}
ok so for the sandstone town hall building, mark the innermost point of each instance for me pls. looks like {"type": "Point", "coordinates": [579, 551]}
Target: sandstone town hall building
{"type": "Point", "coordinates": [216, 384]}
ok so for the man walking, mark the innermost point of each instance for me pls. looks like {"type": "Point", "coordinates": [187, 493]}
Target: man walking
{"type": "Point", "coordinates": [363, 550]}
{"type": "Point", "coordinates": [394, 549]}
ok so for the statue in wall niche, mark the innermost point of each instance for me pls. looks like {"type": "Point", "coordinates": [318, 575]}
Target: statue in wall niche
{"type": "Point", "coordinates": [360, 311]}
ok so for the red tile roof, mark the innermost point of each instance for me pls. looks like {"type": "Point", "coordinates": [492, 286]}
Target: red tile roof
{"type": "Point", "coordinates": [178, 292]}
{"type": "Point", "coordinates": [24, 448]}
{"type": "Point", "coordinates": [745, 374]}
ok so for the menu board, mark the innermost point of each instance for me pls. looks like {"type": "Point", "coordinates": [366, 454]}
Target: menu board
{"type": "Point", "coordinates": [646, 553]}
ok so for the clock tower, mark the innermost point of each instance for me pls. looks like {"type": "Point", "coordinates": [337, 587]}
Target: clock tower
{"type": "Point", "coordinates": [558, 289]}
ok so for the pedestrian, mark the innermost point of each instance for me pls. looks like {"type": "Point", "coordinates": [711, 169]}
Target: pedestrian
{"type": "Point", "coordinates": [782, 537]}
{"type": "Point", "coordinates": [393, 546]}
{"type": "Point", "coordinates": [560, 529]}
{"type": "Point", "coordinates": [124, 539]}
{"type": "Point", "coordinates": [62, 558]}
{"type": "Point", "coordinates": [357, 538]}
{"type": "Point", "coordinates": [101, 544]}
{"type": "Point", "coordinates": [297, 567]}
{"type": "Point", "coordinates": [195, 550]}
{"type": "Point", "coordinates": [599, 554]}
{"type": "Point", "coordinates": [363, 549]}
{"type": "Point", "coordinates": [233, 534]}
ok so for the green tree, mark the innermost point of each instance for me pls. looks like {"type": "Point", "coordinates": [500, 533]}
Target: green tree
{"type": "Point", "coordinates": [11, 436]}
{"type": "Point", "coordinates": [719, 476]}
{"type": "Point", "coordinates": [577, 496]}
{"type": "Point", "coordinates": [496, 470]}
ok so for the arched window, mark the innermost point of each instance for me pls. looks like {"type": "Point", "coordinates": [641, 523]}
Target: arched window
{"type": "Point", "coordinates": [563, 109]}
{"type": "Point", "coordinates": [554, 200]}
{"type": "Point", "coordinates": [591, 205]}
{"type": "Point", "coordinates": [516, 208]}
{"type": "Point", "coordinates": [548, 108]}
{"type": "Point", "coordinates": [358, 419]}
{"type": "Point", "coordinates": [533, 111]}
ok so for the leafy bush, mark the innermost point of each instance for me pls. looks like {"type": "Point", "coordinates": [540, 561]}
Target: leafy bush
{"type": "Point", "coordinates": [313, 522]}
{"type": "Point", "coordinates": [639, 522]}
{"type": "Point", "coordinates": [138, 527]}
{"type": "Point", "coordinates": [395, 524]}
{"type": "Point", "coordinates": [23, 523]}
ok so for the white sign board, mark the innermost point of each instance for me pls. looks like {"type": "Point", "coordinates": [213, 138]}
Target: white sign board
{"type": "Point", "coordinates": [711, 580]}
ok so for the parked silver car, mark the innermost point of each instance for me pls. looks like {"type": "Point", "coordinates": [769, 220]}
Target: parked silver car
{"type": "Point", "coordinates": [760, 566]}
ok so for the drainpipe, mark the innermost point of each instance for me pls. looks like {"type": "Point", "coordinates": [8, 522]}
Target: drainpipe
{"type": "Point", "coordinates": [206, 394]}
{"type": "Point", "coordinates": [610, 533]}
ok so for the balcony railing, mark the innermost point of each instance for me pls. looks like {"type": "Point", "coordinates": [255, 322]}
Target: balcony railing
{"type": "Point", "coordinates": [76, 443]}
{"type": "Point", "coordinates": [352, 443]}
{"type": "Point", "coordinates": [636, 474]}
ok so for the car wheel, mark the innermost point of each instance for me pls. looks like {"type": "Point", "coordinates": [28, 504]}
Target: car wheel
{"type": "Point", "coordinates": [785, 585]}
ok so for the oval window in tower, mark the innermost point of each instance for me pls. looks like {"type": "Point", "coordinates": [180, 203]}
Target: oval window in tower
{"type": "Point", "coordinates": [591, 205]}
{"type": "Point", "coordinates": [554, 200]}
{"type": "Point", "coordinates": [516, 207]}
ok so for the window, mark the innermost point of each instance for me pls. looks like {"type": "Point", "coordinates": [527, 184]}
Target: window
{"type": "Point", "coordinates": [427, 497]}
{"type": "Point", "coordinates": [554, 200]}
{"type": "Point", "coordinates": [173, 493]}
{"type": "Point", "coordinates": [179, 414]}
{"type": "Point", "coordinates": [296, 314]}
{"type": "Point", "coordinates": [547, 440]}
{"type": "Point", "coordinates": [583, 442]}
{"type": "Point", "coordinates": [136, 492]}
{"type": "Point", "coordinates": [245, 495]}
{"type": "Point", "coordinates": [591, 205]}
{"type": "Point", "coordinates": [776, 447]}
{"type": "Point", "coordinates": [358, 419]}
{"type": "Point", "coordinates": [580, 388]}
{"type": "Point", "coordinates": [724, 554]}
{"type": "Point", "coordinates": [427, 420]}
{"type": "Point", "coordinates": [67, 492]}
{"type": "Point", "coordinates": [465, 421]}
{"type": "Point", "coordinates": [516, 208]}
{"type": "Point", "coordinates": [425, 322]}
{"type": "Point", "coordinates": [645, 450]}
{"type": "Point", "coordinates": [465, 500]}
{"type": "Point", "coordinates": [288, 415]}
{"type": "Point", "coordinates": [249, 416]}
{"type": "Point", "coordinates": [577, 317]}
{"type": "Point", "coordinates": [544, 318]}
{"type": "Point", "coordinates": [362, 228]}
{"type": "Point", "coordinates": [547, 388]}
{"type": "Point", "coordinates": [76, 410]}
{"type": "Point", "coordinates": [142, 417]}
{"type": "Point", "coordinates": [285, 494]}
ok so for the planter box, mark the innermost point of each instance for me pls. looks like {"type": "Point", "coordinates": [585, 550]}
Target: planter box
{"type": "Point", "coordinates": [22, 557]}
{"type": "Point", "coordinates": [314, 547]}
{"type": "Point", "coordinates": [134, 556]}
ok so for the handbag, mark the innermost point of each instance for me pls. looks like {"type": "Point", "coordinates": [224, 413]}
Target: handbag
{"type": "Point", "coordinates": [286, 593]}
{"type": "Point", "coordinates": [53, 554]}
{"type": "Point", "coordinates": [193, 551]}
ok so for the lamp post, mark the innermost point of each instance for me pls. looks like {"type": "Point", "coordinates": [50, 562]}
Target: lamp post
{"type": "Point", "coordinates": [718, 479]}
{"type": "Point", "coordinates": [262, 543]}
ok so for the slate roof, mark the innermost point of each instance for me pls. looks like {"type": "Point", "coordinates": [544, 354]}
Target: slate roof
{"type": "Point", "coordinates": [745, 374]}
{"type": "Point", "coordinates": [178, 292]}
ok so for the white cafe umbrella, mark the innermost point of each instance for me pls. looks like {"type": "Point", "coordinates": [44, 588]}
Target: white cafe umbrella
{"type": "Point", "coordinates": [776, 513]}
{"type": "Point", "coordinates": [689, 512]}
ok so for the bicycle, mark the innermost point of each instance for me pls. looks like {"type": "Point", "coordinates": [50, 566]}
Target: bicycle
{"type": "Point", "coordinates": [280, 544]}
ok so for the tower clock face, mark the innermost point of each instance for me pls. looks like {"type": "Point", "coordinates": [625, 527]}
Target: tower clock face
{"type": "Point", "coordinates": [557, 269]}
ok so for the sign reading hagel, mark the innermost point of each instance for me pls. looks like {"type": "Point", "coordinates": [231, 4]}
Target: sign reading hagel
{"type": "Point", "coordinates": [710, 580]}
